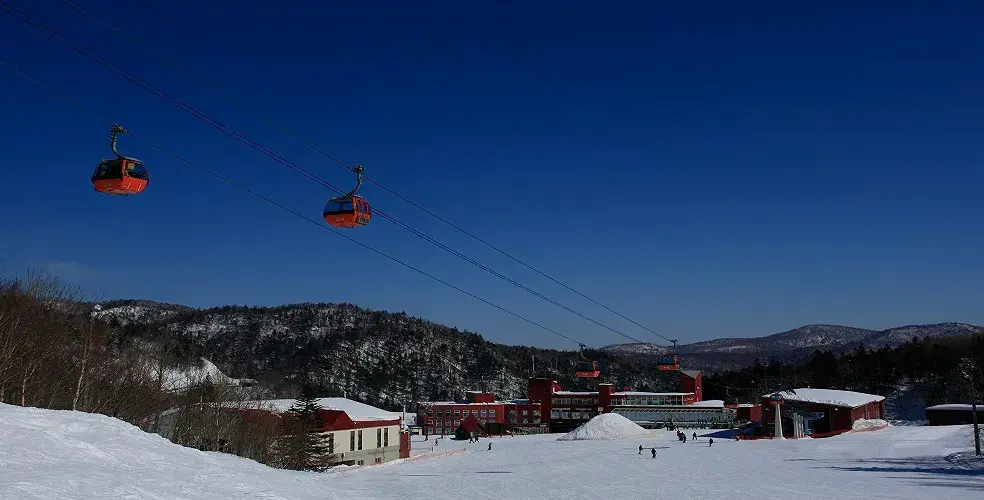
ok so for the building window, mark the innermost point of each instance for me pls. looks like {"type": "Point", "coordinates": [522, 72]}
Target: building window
{"type": "Point", "coordinates": [457, 412]}
{"type": "Point", "coordinates": [379, 438]}
{"type": "Point", "coordinates": [464, 413]}
{"type": "Point", "coordinates": [483, 413]}
{"type": "Point", "coordinates": [379, 460]}
{"type": "Point", "coordinates": [360, 439]}
{"type": "Point", "coordinates": [360, 462]}
{"type": "Point", "coordinates": [331, 442]}
{"type": "Point", "coordinates": [386, 437]}
{"type": "Point", "coordinates": [352, 441]}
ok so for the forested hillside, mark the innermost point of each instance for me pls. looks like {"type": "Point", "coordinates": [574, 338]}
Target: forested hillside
{"type": "Point", "coordinates": [381, 358]}
{"type": "Point", "coordinates": [932, 370]}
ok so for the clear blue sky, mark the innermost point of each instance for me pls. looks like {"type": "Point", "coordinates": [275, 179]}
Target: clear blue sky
{"type": "Point", "coordinates": [709, 170]}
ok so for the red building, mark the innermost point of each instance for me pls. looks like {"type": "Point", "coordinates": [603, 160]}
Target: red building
{"type": "Point", "coordinates": [442, 418]}
{"type": "Point", "coordinates": [746, 413]}
{"type": "Point", "coordinates": [820, 412]}
{"type": "Point", "coordinates": [549, 408]}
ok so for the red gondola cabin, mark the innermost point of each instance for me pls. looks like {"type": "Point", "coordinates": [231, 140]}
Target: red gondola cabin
{"type": "Point", "coordinates": [122, 176]}
{"type": "Point", "coordinates": [669, 363]}
{"type": "Point", "coordinates": [348, 212]}
{"type": "Point", "coordinates": [587, 369]}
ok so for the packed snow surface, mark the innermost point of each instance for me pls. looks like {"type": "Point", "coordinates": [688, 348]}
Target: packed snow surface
{"type": "Point", "coordinates": [606, 426]}
{"type": "Point", "coordinates": [847, 399]}
{"type": "Point", "coordinates": [47, 454]}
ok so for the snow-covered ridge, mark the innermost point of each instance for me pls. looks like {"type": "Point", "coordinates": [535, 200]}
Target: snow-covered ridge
{"type": "Point", "coordinates": [805, 337]}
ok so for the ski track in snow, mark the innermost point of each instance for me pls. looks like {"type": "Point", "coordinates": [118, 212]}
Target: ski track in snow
{"type": "Point", "coordinates": [69, 455]}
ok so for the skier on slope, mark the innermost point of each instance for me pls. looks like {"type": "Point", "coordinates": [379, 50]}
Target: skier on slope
{"type": "Point", "coordinates": [640, 449]}
{"type": "Point", "coordinates": [695, 436]}
{"type": "Point", "coordinates": [654, 452]}
{"type": "Point", "coordinates": [710, 442]}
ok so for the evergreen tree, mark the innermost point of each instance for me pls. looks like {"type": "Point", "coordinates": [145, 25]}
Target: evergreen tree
{"type": "Point", "coordinates": [305, 446]}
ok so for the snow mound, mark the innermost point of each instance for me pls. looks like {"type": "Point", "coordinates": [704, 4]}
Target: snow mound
{"type": "Point", "coordinates": [606, 426]}
{"type": "Point", "coordinates": [68, 454]}
{"type": "Point", "coordinates": [869, 424]}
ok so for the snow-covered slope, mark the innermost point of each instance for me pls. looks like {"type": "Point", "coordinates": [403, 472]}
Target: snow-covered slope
{"type": "Point", "coordinates": [47, 454]}
{"type": "Point", "coordinates": [176, 378]}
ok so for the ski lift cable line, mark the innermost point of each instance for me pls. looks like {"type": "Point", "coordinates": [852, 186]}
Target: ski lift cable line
{"type": "Point", "coordinates": [277, 204]}
{"type": "Point", "coordinates": [200, 76]}
{"type": "Point", "coordinates": [137, 80]}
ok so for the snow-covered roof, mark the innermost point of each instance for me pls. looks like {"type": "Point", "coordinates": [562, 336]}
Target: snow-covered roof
{"type": "Point", "coordinates": [354, 409]}
{"type": "Point", "coordinates": [746, 405]}
{"type": "Point", "coordinates": [637, 393]}
{"type": "Point", "coordinates": [459, 403]}
{"type": "Point", "coordinates": [955, 407]}
{"type": "Point", "coordinates": [847, 399]}
{"type": "Point", "coordinates": [575, 393]}
{"type": "Point", "coordinates": [710, 403]}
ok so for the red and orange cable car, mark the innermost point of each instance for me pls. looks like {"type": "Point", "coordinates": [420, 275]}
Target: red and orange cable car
{"type": "Point", "coordinates": [349, 210]}
{"type": "Point", "coordinates": [122, 175]}
{"type": "Point", "coordinates": [669, 362]}
{"type": "Point", "coordinates": [585, 368]}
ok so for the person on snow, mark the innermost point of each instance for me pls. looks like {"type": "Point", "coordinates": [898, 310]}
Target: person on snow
{"type": "Point", "coordinates": [695, 436]}
{"type": "Point", "coordinates": [710, 441]}
{"type": "Point", "coordinates": [640, 449]}
{"type": "Point", "coordinates": [654, 452]}
{"type": "Point", "coordinates": [490, 445]}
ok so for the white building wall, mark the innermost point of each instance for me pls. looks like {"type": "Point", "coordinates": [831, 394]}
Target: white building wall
{"type": "Point", "coordinates": [345, 444]}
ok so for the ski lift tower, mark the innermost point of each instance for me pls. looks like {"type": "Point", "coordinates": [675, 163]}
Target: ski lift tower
{"type": "Point", "coordinates": [776, 401]}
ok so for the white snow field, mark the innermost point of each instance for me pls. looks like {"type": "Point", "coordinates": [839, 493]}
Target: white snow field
{"type": "Point", "coordinates": [606, 426]}
{"type": "Point", "coordinates": [69, 455]}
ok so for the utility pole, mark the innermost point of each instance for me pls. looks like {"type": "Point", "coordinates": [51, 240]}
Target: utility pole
{"type": "Point", "coordinates": [969, 370]}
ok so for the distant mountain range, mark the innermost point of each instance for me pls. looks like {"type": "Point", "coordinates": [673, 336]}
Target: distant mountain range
{"type": "Point", "coordinates": [793, 344]}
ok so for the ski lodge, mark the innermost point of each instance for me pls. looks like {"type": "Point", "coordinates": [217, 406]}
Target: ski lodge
{"type": "Point", "coordinates": [549, 408]}
{"type": "Point", "coordinates": [818, 412]}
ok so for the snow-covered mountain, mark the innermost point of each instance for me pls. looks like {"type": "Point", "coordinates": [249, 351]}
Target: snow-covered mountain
{"type": "Point", "coordinates": [796, 343]}
{"type": "Point", "coordinates": [381, 358]}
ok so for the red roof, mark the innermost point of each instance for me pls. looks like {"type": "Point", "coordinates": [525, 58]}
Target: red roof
{"type": "Point", "coordinates": [471, 423]}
